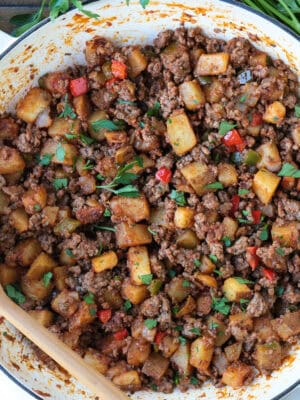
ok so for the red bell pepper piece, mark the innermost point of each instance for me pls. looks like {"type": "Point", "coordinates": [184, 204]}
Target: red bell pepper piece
{"type": "Point", "coordinates": [164, 175]}
{"type": "Point", "coordinates": [233, 141]}
{"type": "Point", "coordinates": [256, 214]}
{"type": "Point", "coordinates": [159, 337]}
{"type": "Point", "coordinates": [235, 203]}
{"type": "Point", "coordinates": [104, 315]}
{"type": "Point", "coordinates": [269, 274]}
{"type": "Point", "coordinates": [119, 69]}
{"type": "Point", "coordinates": [120, 335]}
{"type": "Point", "coordinates": [252, 258]}
{"type": "Point", "coordinates": [79, 86]}
{"type": "Point", "coordinates": [257, 119]}
{"type": "Point", "coordinates": [109, 83]}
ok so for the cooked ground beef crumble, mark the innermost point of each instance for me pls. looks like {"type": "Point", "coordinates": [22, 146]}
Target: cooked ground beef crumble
{"type": "Point", "coordinates": [150, 212]}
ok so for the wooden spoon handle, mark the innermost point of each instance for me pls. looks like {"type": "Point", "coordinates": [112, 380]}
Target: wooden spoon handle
{"type": "Point", "coordinates": [57, 350]}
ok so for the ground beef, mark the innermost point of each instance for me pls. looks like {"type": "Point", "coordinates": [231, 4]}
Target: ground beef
{"type": "Point", "coordinates": [257, 306]}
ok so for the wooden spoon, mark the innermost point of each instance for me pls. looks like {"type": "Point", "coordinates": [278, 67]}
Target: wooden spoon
{"type": "Point", "coordinates": [57, 350]}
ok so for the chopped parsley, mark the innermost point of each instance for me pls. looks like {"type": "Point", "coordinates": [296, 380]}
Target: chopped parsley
{"type": "Point", "coordinates": [45, 159]}
{"type": "Point", "coordinates": [297, 111]}
{"type": "Point", "coordinates": [16, 295]}
{"type": "Point", "coordinates": [128, 102]}
{"type": "Point", "coordinates": [243, 303]}
{"type": "Point", "coordinates": [47, 278]}
{"type": "Point", "coordinates": [146, 279]}
{"type": "Point", "coordinates": [214, 185]}
{"type": "Point", "coordinates": [60, 152]}
{"type": "Point", "coordinates": [107, 213]}
{"type": "Point", "coordinates": [218, 272]}
{"type": "Point", "coordinates": [60, 183]}
{"type": "Point", "coordinates": [289, 170]}
{"type": "Point", "coordinates": [186, 283]}
{"type": "Point", "coordinates": [280, 251]}
{"type": "Point", "coordinates": [182, 339]}
{"type": "Point", "coordinates": [150, 323]}
{"type": "Point", "coordinates": [87, 140]}
{"type": "Point", "coordinates": [100, 177]}
{"type": "Point", "coordinates": [194, 381]}
{"type": "Point", "coordinates": [151, 231]}
{"type": "Point", "coordinates": [127, 305]}
{"type": "Point", "coordinates": [178, 328]}
{"type": "Point", "coordinates": [264, 234]}
{"type": "Point", "coordinates": [197, 263]}
{"type": "Point", "coordinates": [243, 98]}
{"type": "Point", "coordinates": [92, 311]}
{"type": "Point", "coordinates": [37, 207]}
{"type": "Point", "coordinates": [89, 298]}
{"type": "Point", "coordinates": [225, 127]}
{"type": "Point", "coordinates": [69, 253]}
{"type": "Point", "coordinates": [242, 192]}
{"type": "Point", "coordinates": [196, 331]}
{"type": "Point", "coordinates": [67, 111]}
{"type": "Point", "coordinates": [89, 165]}
{"type": "Point", "coordinates": [242, 280]}
{"type": "Point", "coordinates": [279, 290]}
{"type": "Point", "coordinates": [227, 241]}
{"type": "Point", "coordinates": [154, 111]}
{"type": "Point", "coordinates": [171, 273]}
{"type": "Point", "coordinates": [104, 228]}
{"type": "Point", "coordinates": [153, 387]}
{"type": "Point", "coordinates": [221, 305]}
{"type": "Point", "coordinates": [213, 325]}
{"type": "Point", "coordinates": [108, 125]}
{"type": "Point", "coordinates": [213, 258]}
{"type": "Point", "coordinates": [179, 197]}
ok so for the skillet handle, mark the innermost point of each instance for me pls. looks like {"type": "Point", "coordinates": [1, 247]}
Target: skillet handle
{"type": "Point", "coordinates": [5, 41]}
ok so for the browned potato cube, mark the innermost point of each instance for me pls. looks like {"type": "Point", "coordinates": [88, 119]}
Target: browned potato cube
{"type": "Point", "coordinates": [156, 366]}
{"type": "Point", "coordinates": [187, 308]}
{"type": "Point", "coordinates": [138, 263]}
{"type": "Point", "coordinates": [85, 315]}
{"type": "Point", "coordinates": [66, 227]}
{"type": "Point", "coordinates": [181, 358]}
{"type": "Point", "coordinates": [240, 325]}
{"type": "Point", "coordinates": [67, 257]}
{"type": "Point", "coordinates": [207, 266]}
{"type": "Point", "coordinates": [233, 351]}
{"type": "Point", "coordinates": [96, 116]}
{"type": "Point", "coordinates": [4, 202]}
{"type": "Point", "coordinates": [107, 260]}
{"type": "Point", "coordinates": [258, 59]}
{"type": "Point", "coordinates": [287, 234]}
{"type": "Point", "coordinates": [198, 175]}
{"type": "Point", "coordinates": [97, 360]}
{"type": "Point", "coordinates": [137, 62]}
{"type": "Point", "coordinates": [128, 235]}
{"type": "Point", "coordinates": [129, 380]}
{"type": "Point", "coordinates": [60, 274]}
{"type": "Point", "coordinates": [212, 64]}
{"type": "Point", "coordinates": [34, 200]}
{"type": "Point", "coordinates": [35, 289]}
{"type": "Point", "coordinates": [184, 217]}
{"type": "Point", "coordinates": [202, 350]}
{"type": "Point", "coordinates": [61, 126]}
{"type": "Point", "coordinates": [133, 209]}
{"type": "Point", "coordinates": [230, 226]}
{"type": "Point", "coordinates": [263, 329]}
{"type": "Point", "coordinates": [169, 345]}
{"type": "Point", "coordinates": [135, 294]}
{"type": "Point", "coordinates": [296, 134]}
{"type": "Point", "coordinates": [180, 132]}
{"type": "Point", "coordinates": [235, 291]}
{"type": "Point", "coordinates": [138, 352]}
{"type": "Point", "coordinates": [222, 334]}
{"type": "Point", "coordinates": [215, 91]}
{"type": "Point", "coordinates": [27, 251]}
{"type": "Point", "coordinates": [8, 274]}
{"type": "Point", "coordinates": [206, 280]}
{"type": "Point", "coordinates": [274, 113]}
{"type": "Point", "coordinates": [19, 220]}
{"type": "Point", "coordinates": [66, 303]}
{"type": "Point", "coordinates": [187, 239]}
{"type": "Point", "coordinates": [116, 137]}
{"type": "Point", "coordinates": [82, 106]}
{"type": "Point", "coordinates": [264, 185]}
{"type": "Point", "coordinates": [44, 317]}
{"type": "Point", "coordinates": [9, 129]}
{"type": "Point", "coordinates": [192, 95]}
{"type": "Point", "coordinates": [176, 290]}
{"type": "Point", "coordinates": [236, 374]}
{"type": "Point", "coordinates": [63, 153]}
{"type": "Point", "coordinates": [288, 325]}
{"type": "Point", "coordinates": [50, 214]}
{"type": "Point", "coordinates": [227, 174]}
{"type": "Point", "coordinates": [42, 264]}
{"type": "Point", "coordinates": [11, 160]}
{"type": "Point", "coordinates": [270, 157]}
{"type": "Point", "coordinates": [268, 356]}
{"type": "Point", "coordinates": [34, 102]}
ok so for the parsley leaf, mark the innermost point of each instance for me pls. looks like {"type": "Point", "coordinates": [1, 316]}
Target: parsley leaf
{"type": "Point", "coordinates": [17, 296]}
{"type": "Point", "coordinates": [127, 191]}
{"type": "Point", "coordinates": [279, 290]}
{"type": "Point", "coordinates": [289, 170]}
{"type": "Point", "coordinates": [78, 4]}
{"type": "Point", "coordinates": [297, 111]}
{"type": "Point", "coordinates": [45, 160]}
{"type": "Point", "coordinates": [127, 305]}
{"type": "Point", "coordinates": [182, 340]}
{"type": "Point", "coordinates": [225, 127]}
{"type": "Point", "coordinates": [107, 124]}
{"type": "Point", "coordinates": [24, 22]}
{"type": "Point", "coordinates": [151, 231]}
{"type": "Point", "coordinates": [197, 263]}
{"type": "Point", "coordinates": [60, 152]}
{"type": "Point", "coordinates": [89, 165]}
{"type": "Point", "coordinates": [194, 380]}
{"type": "Point", "coordinates": [58, 7]}
{"type": "Point", "coordinates": [264, 234]}
{"type": "Point", "coordinates": [213, 325]}
{"type": "Point", "coordinates": [60, 183]}
{"type": "Point", "coordinates": [131, 103]}
{"type": "Point", "coordinates": [221, 305]}
{"type": "Point", "coordinates": [186, 283]}
{"type": "Point", "coordinates": [242, 280]}
{"type": "Point", "coordinates": [213, 258]}
{"type": "Point", "coordinates": [153, 111]}
{"type": "Point", "coordinates": [89, 298]}
{"type": "Point", "coordinates": [179, 197]}
{"type": "Point", "coordinates": [144, 3]}
{"type": "Point", "coordinates": [150, 323]}
{"type": "Point", "coordinates": [243, 98]}
{"type": "Point", "coordinates": [280, 251]}
{"type": "Point", "coordinates": [69, 253]}
{"type": "Point", "coordinates": [171, 273]}
{"type": "Point", "coordinates": [146, 279]}
{"type": "Point", "coordinates": [67, 111]}
{"type": "Point", "coordinates": [241, 192]}
{"type": "Point", "coordinates": [227, 241]}
{"type": "Point", "coordinates": [104, 228]}
{"type": "Point", "coordinates": [107, 213]}
{"type": "Point", "coordinates": [214, 185]}
{"type": "Point", "coordinates": [196, 331]}
{"type": "Point", "coordinates": [87, 140]}
{"type": "Point", "coordinates": [47, 278]}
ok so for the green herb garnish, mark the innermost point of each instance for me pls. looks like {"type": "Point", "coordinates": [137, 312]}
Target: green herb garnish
{"type": "Point", "coordinates": [146, 279]}
{"type": "Point", "coordinates": [297, 106]}
{"type": "Point", "coordinates": [154, 111]}
{"type": "Point", "coordinates": [67, 111]}
{"type": "Point", "coordinates": [186, 283]}
{"type": "Point", "coordinates": [242, 192]}
{"type": "Point", "coordinates": [225, 127]}
{"type": "Point", "coordinates": [227, 241]}
{"type": "Point", "coordinates": [213, 258]}
{"type": "Point", "coordinates": [289, 170]}
{"type": "Point", "coordinates": [60, 183]}
{"type": "Point", "coordinates": [279, 290]}
{"type": "Point", "coordinates": [127, 305]}
{"type": "Point", "coordinates": [60, 152]}
{"type": "Point", "coordinates": [104, 228]}
{"type": "Point", "coordinates": [280, 251]}
{"type": "Point", "coordinates": [214, 185]}
{"type": "Point", "coordinates": [107, 213]}
{"type": "Point", "coordinates": [89, 298]}
{"type": "Point", "coordinates": [264, 234]}
{"type": "Point", "coordinates": [213, 325]}
{"type": "Point", "coordinates": [182, 339]}
{"type": "Point", "coordinates": [150, 323]}
{"type": "Point", "coordinates": [179, 197]}
{"type": "Point", "coordinates": [87, 140]}
{"type": "Point", "coordinates": [242, 280]}
{"type": "Point", "coordinates": [108, 125]}
{"type": "Point", "coordinates": [16, 295]}
{"type": "Point", "coordinates": [196, 331]}
{"type": "Point", "coordinates": [89, 165]}
{"type": "Point", "coordinates": [197, 263]}
{"type": "Point", "coordinates": [45, 159]}
{"type": "Point", "coordinates": [69, 253]}
{"type": "Point", "coordinates": [47, 278]}
{"type": "Point", "coordinates": [221, 305]}
{"type": "Point", "coordinates": [194, 381]}
{"type": "Point", "coordinates": [151, 231]}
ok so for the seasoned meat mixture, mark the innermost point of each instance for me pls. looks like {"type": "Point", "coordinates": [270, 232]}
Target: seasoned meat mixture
{"type": "Point", "coordinates": [150, 210]}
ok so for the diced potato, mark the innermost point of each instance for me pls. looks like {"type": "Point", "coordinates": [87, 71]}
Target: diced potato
{"type": "Point", "coordinates": [137, 62]}
{"type": "Point", "coordinates": [134, 209]}
{"type": "Point", "coordinates": [66, 227]}
{"type": "Point", "coordinates": [215, 91]}
{"type": "Point", "coordinates": [188, 307]}
{"type": "Point", "coordinates": [44, 317]}
{"type": "Point", "coordinates": [66, 303]}
{"type": "Point", "coordinates": [138, 352]}
{"type": "Point", "coordinates": [146, 162]}
{"type": "Point", "coordinates": [252, 94]}
{"type": "Point", "coordinates": [233, 351]}
{"type": "Point", "coordinates": [264, 185]}
{"type": "Point", "coordinates": [195, 54]}
{"type": "Point", "coordinates": [288, 182]}
{"type": "Point", "coordinates": [55, 82]}
{"type": "Point", "coordinates": [128, 380]}
{"type": "Point", "coordinates": [287, 234]}
{"type": "Point", "coordinates": [192, 95]}
{"type": "Point", "coordinates": [97, 360]}
{"type": "Point", "coordinates": [180, 132]}
{"type": "Point", "coordinates": [35, 289]}
{"type": "Point", "coordinates": [222, 333]}
{"type": "Point", "coordinates": [60, 274]}
{"type": "Point", "coordinates": [236, 374]}
{"type": "Point", "coordinates": [184, 217]}
{"type": "Point", "coordinates": [206, 280]}
{"type": "Point", "coordinates": [158, 217]}
{"type": "Point", "coordinates": [140, 331]}
{"type": "Point", "coordinates": [288, 325]}
{"type": "Point", "coordinates": [169, 345]}
{"type": "Point", "coordinates": [296, 135]}
{"type": "Point", "coordinates": [268, 356]}
{"type": "Point", "coordinates": [35, 101]}
{"type": "Point", "coordinates": [50, 214]}
{"type": "Point", "coordinates": [4, 202]}
{"type": "Point", "coordinates": [135, 294]}
{"type": "Point", "coordinates": [107, 260]}
{"type": "Point", "coordinates": [67, 258]}
{"type": "Point", "coordinates": [61, 126]}
{"type": "Point", "coordinates": [128, 235]}
{"type": "Point", "coordinates": [202, 350]}
{"type": "Point", "coordinates": [156, 366]}
{"type": "Point", "coordinates": [82, 106]}
{"type": "Point", "coordinates": [42, 264]}
{"type": "Point", "coordinates": [116, 137]}
{"type": "Point", "coordinates": [11, 160]}
{"type": "Point", "coordinates": [85, 315]}
{"type": "Point", "coordinates": [34, 200]}
{"type": "Point", "coordinates": [270, 157]}
{"type": "Point", "coordinates": [63, 213]}
{"type": "Point", "coordinates": [258, 59]}
{"type": "Point", "coordinates": [87, 184]}
{"type": "Point", "coordinates": [181, 358]}
{"type": "Point", "coordinates": [8, 274]}
{"type": "Point", "coordinates": [263, 329]}
{"type": "Point", "coordinates": [19, 220]}
{"type": "Point", "coordinates": [9, 129]}
{"type": "Point", "coordinates": [212, 64]}
{"type": "Point", "coordinates": [240, 324]}
{"type": "Point", "coordinates": [227, 174]}
{"type": "Point", "coordinates": [187, 239]}
{"type": "Point", "coordinates": [230, 227]}
{"type": "Point", "coordinates": [198, 175]}
{"type": "Point", "coordinates": [27, 251]}
{"type": "Point", "coordinates": [96, 116]}
{"type": "Point", "coordinates": [113, 298]}
{"type": "Point", "coordinates": [138, 263]}
{"type": "Point", "coordinates": [235, 291]}
{"type": "Point", "coordinates": [69, 152]}
{"type": "Point", "coordinates": [274, 113]}
{"type": "Point", "coordinates": [176, 290]}
{"type": "Point", "coordinates": [207, 266]}
{"type": "Point", "coordinates": [124, 154]}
